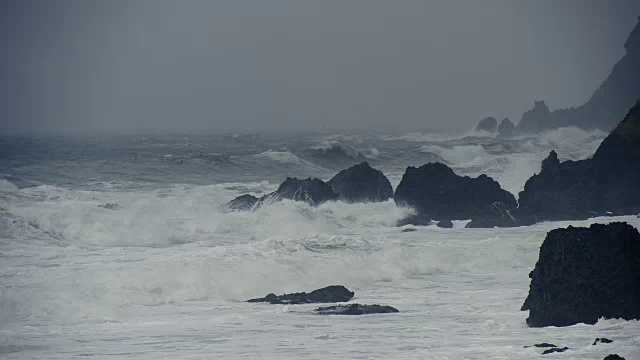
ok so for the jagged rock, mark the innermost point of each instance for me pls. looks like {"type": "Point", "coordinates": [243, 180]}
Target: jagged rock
{"type": "Point", "coordinates": [437, 193]}
{"type": "Point", "coordinates": [499, 215]}
{"type": "Point", "coordinates": [607, 105]}
{"type": "Point", "coordinates": [333, 293]}
{"type": "Point", "coordinates": [607, 183]}
{"type": "Point", "coordinates": [355, 309]}
{"type": "Point", "coordinates": [311, 191]}
{"type": "Point", "coordinates": [602, 341]}
{"type": "Point", "coordinates": [555, 350]}
{"type": "Point", "coordinates": [506, 128]}
{"type": "Point", "coordinates": [489, 124]}
{"type": "Point", "coordinates": [613, 357]}
{"type": "Point", "coordinates": [361, 183]}
{"type": "Point", "coordinates": [446, 224]}
{"type": "Point", "coordinates": [241, 203]}
{"type": "Point", "coordinates": [583, 274]}
{"type": "Point", "coordinates": [536, 119]}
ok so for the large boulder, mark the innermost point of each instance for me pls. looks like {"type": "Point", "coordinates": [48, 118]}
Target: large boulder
{"type": "Point", "coordinates": [329, 294]}
{"type": "Point", "coordinates": [488, 124]}
{"type": "Point", "coordinates": [506, 128]}
{"type": "Point", "coordinates": [437, 193]}
{"type": "Point", "coordinates": [607, 183]}
{"type": "Point", "coordinates": [583, 274]}
{"type": "Point", "coordinates": [361, 183]}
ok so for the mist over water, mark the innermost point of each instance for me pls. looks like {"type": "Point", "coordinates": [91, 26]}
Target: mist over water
{"type": "Point", "coordinates": [116, 246]}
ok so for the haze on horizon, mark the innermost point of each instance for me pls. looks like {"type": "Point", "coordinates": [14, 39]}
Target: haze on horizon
{"type": "Point", "coordinates": [292, 65]}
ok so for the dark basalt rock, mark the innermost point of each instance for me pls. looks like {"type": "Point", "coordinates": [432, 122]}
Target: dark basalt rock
{"type": "Point", "coordinates": [583, 274]}
{"type": "Point", "coordinates": [355, 309]}
{"type": "Point", "coordinates": [329, 294]}
{"type": "Point", "coordinates": [361, 183]}
{"type": "Point", "coordinates": [489, 124]}
{"type": "Point", "coordinates": [241, 203]}
{"type": "Point", "coordinates": [613, 357]}
{"type": "Point", "coordinates": [499, 215]}
{"type": "Point", "coordinates": [607, 183]}
{"type": "Point", "coordinates": [446, 224]}
{"type": "Point", "coordinates": [555, 350]}
{"type": "Point", "coordinates": [408, 230]}
{"type": "Point", "coordinates": [311, 191]}
{"type": "Point", "coordinates": [537, 119]}
{"type": "Point", "coordinates": [602, 341]}
{"type": "Point", "coordinates": [544, 345]}
{"type": "Point", "coordinates": [437, 193]}
{"type": "Point", "coordinates": [506, 128]}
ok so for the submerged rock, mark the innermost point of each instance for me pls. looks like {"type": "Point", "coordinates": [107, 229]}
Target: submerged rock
{"type": "Point", "coordinates": [544, 345]}
{"type": "Point", "coordinates": [583, 274]}
{"type": "Point", "coordinates": [408, 230]}
{"type": "Point", "coordinates": [312, 191]}
{"type": "Point", "coordinates": [602, 341]}
{"type": "Point", "coordinates": [437, 193]}
{"type": "Point", "coordinates": [329, 294]}
{"type": "Point", "coordinates": [607, 183]}
{"type": "Point", "coordinates": [241, 203]}
{"type": "Point", "coordinates": [355, 309]}
{"type": "Point", "coordinates": [613, 357]}
{"type": "Point", "coordinates": [361, 183]}
{"type": "Point", "coordinates": [555, 350]}
{"type": "Point", "coordinates": [499, 215]}
{"type": "Point", "coordinates": [445, 224]}
{"type": "Point", "coordinates": [488, 124]}
{"type": "Point", "coordinates": [506, 128]}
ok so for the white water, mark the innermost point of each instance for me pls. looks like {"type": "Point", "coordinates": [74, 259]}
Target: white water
{"type": "Point", "coordinates": [165, 274]}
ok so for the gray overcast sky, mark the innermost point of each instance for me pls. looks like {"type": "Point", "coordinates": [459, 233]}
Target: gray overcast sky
{"type": "Point", "coordinates": [277, 65]}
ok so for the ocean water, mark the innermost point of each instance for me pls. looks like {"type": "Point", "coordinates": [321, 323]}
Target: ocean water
{"type": "Point", "coordinates": [115, 248]}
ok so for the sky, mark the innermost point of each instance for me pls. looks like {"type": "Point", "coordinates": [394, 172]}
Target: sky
{"type": "Point", "coordinates": [298, 65]}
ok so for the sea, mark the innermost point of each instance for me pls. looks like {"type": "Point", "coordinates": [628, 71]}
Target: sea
{"type": "Point", "coordinates": [115, 247]}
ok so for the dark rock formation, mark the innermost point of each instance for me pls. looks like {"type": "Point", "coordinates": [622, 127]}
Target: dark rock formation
{"type": "Point", "coordinates": [311, 191]}
{"type": "Point", "coordinates": [499, 215]}
{"type": "Point", "coordinates": [583, 274]}
{"type": "Point", "coordinates": [602, 341]}
{"type": "Point", "coordinates": [355, 309]}
{"type": "Point", "coordinates": [506, 128]}
{"type": "Point", "coordinates": [333, 293]}
{"type": "Point", "coordinates": [361, 183]}
{"type": "Point", "coordinates": [445, 224]}
{"type": "Point", "coordinates": [613, 357]}
{"type": "Point", "coordinates": [489, 124]}
{"type": "Point", "coordinates": [436, 192]}
{"type": "Point", "coordinates": [416, 220]}
{"type": "Point", "coordinates": [608, 103]}
{"type": "Point", "coordinates": [536, 119]}
{"type": "Point", "coordinates": [555, 350]}
{"type": "Point", "coordinates": [544, 345]}
{"type": "Point", "coordinates": [409, 230]}
{"type": "Point", "coordinates": [607, 183]}
{"type": "Point", "coordinates": [241, 203]}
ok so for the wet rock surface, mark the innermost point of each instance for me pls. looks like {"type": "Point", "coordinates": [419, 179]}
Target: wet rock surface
{"type": "Point", "coordinates": [555, 350]}
{"type": "Point", "coordinates": [602, 341]}
{"type": "Point", "coordinates": [583, 274]}
{"type": "Point", "coordinates": [489, 124]}
{"type": "Point", "coordinates": [499, 215]}
{"type": "Point", "coordinates": [506, 128]}
{"type": "Point", "coordinates": [329, 294]}
{"type": "Point", "coordinates": [437, 193]}
{"type": "Point", "coordinates": [446, 224]}
{"type": "Point", "coordinates": [361, 183]}
{"type": "Point", "coordinates": [355, 309]}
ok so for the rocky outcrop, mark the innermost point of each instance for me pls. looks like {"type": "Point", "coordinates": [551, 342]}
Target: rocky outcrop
{"type": "Point", "coordinates": [555, 350]}
{"type": "Point", "coordinates": [329, 294]}
{"type": "Point", "coordinates": [602, 341]}
{"type": "Point", "coordinates": [583, 274]}
{"type": "Point", "coordinates": [607, 183]}
{"type": "Point", "coordinates": [241, 203]}
{"type": "Point", "coordinates": [489, 124]}
{"type": "Point", "coordinates": [445, 224]}
{"type": "Point", "coordinates": [607, 105]}
{"type": "Point", "coordinates": [499, 215]}
{"type": "Point", "coordinates": [355, 309]}
{"type": "Point", "coordinates": [312, 191]}
{"type": "Point", "coordinates": [437, 193]}
{"type": "Point", "coordinates": [506, 128]}
{"type": "Point", "coordinates": [361, 183]}
{"type": "Point", "coordinates": [613, 357]}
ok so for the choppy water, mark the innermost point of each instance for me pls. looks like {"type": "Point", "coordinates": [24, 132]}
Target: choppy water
{"type": "Point", "coordinates": [114, 247]}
